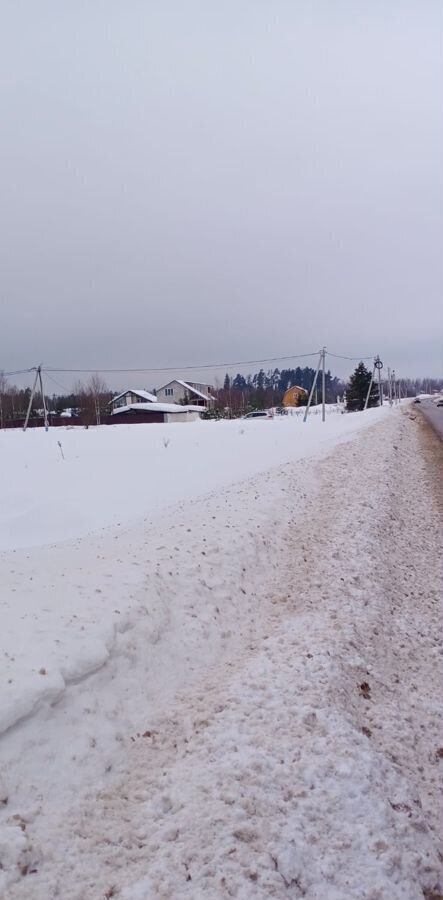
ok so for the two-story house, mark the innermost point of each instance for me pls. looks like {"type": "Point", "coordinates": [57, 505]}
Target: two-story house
{"type": "Point", "coordinates": [193, 392]}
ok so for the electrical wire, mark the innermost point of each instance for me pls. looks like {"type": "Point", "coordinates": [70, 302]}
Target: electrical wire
{"type": "Point", "coordinates": [197, 368]}
{"type": "Point", "coordinates": [48, 370]}
{"type": "Point", "coordinates": [350, 358]}
{"type": "Point", "coordinates": [19, 372]}
{"type": "Point", "coordinates": [57, 383]}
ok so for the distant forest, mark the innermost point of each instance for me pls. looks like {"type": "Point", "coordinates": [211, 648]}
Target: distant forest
{"type": "Point", "coordinates": [266, 389]}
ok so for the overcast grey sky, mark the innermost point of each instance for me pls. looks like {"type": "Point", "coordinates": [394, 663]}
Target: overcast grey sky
{"type": "Point", "coordinates": [201, 181]}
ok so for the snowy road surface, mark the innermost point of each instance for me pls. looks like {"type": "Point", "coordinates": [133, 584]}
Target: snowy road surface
{"type": "Point", "coordinates": [434, 413]}
{"type": "Point", "coordinates": [274, 728]}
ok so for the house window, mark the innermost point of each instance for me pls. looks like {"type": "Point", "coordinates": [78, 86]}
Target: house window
{"type": "Point", "coordinates": [169, 392]}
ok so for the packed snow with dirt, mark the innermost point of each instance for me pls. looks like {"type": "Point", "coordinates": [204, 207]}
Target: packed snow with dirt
{"type": "Point", "coordinates": [222, 676]}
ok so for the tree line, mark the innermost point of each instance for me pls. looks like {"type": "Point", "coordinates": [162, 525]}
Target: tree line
{"type": "Point", "coordinates": [89, 399]}
{"type": "Point", "coordinates": [263, 390]}
{"type": "Point", "coordinates": [239, 394]}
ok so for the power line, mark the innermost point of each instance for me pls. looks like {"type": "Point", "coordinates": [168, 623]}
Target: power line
{"type": "Point", "coordinates": [350, 358]}
{"type": "Point", "coordinates": [57, 383]}
{"type": "Point", "coordinates": [167, 369]}
{"type": "Point", "coordinates": [222, 365]}
{"type": "Point", "coordinates": [18, 372]}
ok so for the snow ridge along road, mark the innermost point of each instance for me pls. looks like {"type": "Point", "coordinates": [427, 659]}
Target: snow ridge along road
{"type": "Point", "coordinates": [301, 758]}
{"type": "Point", "coordinates": [65, 604]}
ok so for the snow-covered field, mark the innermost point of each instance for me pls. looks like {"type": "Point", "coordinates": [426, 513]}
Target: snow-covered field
{"type": "Point", "coordinates": [208, 654]}
{"type": "Point", "coordinates": [114, 475]}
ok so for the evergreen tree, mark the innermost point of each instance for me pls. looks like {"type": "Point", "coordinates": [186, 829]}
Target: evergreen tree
{"type": "Point", "coordinates": [357, 389]}
{"type": "Point", "coordinates": [276, 379]}
{"type": "Point", "coordinates": [227, 383]}
{"type": "Point", "coordinates": [239, 382]}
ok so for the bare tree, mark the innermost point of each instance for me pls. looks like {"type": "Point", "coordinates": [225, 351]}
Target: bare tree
{"type": "Point", "coordinates": [92, 398]}
{"type": "Point", "coordinates": [97, 386]}
{"type": "Point", "coordinates": [3, 386]}
{"type": "Point", "coordinates": [100, 394]}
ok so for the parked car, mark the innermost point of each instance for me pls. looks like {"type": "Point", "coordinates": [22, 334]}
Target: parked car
{"type": "Point", "coordinates": [440, 402]}
{"type": "Point", "coordinates": [417, 400]}
{"type": "Point", "coordinates": [258, 414]}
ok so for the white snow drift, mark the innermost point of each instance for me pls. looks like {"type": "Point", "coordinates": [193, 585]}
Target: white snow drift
{"type": "Point", "coordinates": [224, 746]}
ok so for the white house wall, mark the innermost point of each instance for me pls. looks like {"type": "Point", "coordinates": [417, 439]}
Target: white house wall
{"type": "Point", "coordinates": [178, 395]}
{"type": "Point", "coordinates": [182, 417]}
{"type": "Point", "coordinates": [182, 393]}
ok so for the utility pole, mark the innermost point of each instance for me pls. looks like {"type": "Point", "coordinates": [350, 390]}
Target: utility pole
{"type": "Point", "coordinates": [38, 377]}
{"type": "Point", "coordinates": [45, 411]}
{"type": "Point", "coordinates": [323, 387]}
{"type": "Point", "coordinates": [28, 412]}
{"type": "Point", "coordinates": [379, 365]}
{"type": "Point", "coordinates": [389, 386]}
{"type": "Point", "coordinates": [370, 385]}
{"type": "Point", "coordinates": [314, 384]}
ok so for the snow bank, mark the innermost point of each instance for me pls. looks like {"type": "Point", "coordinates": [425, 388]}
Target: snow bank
{"type": "Point", "coordinates": [112, 475]}
{"type": "Point", "coordinates": [65, 603]}
{"type": "Point", "coordinates": [163, 604]}
{"type": "Point", "coordinates": [269, 719]}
